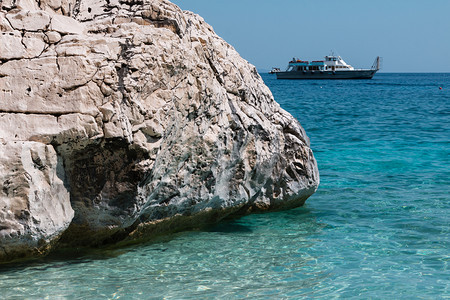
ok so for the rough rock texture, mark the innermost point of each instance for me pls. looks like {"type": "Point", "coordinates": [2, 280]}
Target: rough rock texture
{"type": "Point", "coordinates": [122, 119]}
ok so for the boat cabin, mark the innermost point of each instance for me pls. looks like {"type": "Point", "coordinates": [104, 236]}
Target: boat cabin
{"type": "Point", "coordinates": [331, 63]}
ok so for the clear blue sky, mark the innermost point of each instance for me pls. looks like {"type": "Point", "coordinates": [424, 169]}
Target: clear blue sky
{"type": "Point", "coordinates": [410, 35]}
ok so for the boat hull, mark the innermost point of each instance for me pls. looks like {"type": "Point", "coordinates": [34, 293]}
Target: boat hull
{"type": "Point", "coordinates": [348, 74]}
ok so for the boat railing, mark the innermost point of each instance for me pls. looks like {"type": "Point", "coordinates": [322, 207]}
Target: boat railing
{"type": "Point", "coordinates": [376, 64]}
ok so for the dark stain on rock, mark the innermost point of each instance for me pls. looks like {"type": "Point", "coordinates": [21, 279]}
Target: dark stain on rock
{"type": "Point", "coordinates": [105, 175]}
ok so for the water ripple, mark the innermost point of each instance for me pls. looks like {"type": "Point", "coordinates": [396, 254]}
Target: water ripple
{"type": "Point", "coordinates": [377, 228]}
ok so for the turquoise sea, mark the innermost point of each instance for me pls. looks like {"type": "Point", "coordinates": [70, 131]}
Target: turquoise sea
{"type": "Point", "coordinates": [377, 228]}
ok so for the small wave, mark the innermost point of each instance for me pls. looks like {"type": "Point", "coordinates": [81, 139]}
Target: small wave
{"type": "Point", "coordinates": [401, 84]}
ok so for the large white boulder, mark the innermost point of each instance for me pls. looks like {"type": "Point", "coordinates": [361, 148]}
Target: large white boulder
{"type": "Point", "coordinates": [140, 115]}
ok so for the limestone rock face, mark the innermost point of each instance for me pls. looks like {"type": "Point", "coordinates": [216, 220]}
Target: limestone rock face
{"type": "Point", "coordinates": [120, 120]}
{"type": "Point", "coordinates": [35, 204]}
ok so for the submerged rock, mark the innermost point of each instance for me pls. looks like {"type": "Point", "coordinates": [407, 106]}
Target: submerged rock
{"type": "Point", "coordinates": [121, 120]}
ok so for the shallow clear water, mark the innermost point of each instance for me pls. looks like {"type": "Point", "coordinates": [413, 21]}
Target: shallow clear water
{"type": "Point", "coordinates": [378, 226]}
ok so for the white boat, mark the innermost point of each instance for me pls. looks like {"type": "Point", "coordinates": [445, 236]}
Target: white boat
{"type": "Point", "coordinates": [275, 70]}
{"type": "Point", "coordinates": [332, 67]}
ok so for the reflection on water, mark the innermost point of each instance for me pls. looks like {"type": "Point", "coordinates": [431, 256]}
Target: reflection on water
{"type": "Point", "coordinates": [238, 258]}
